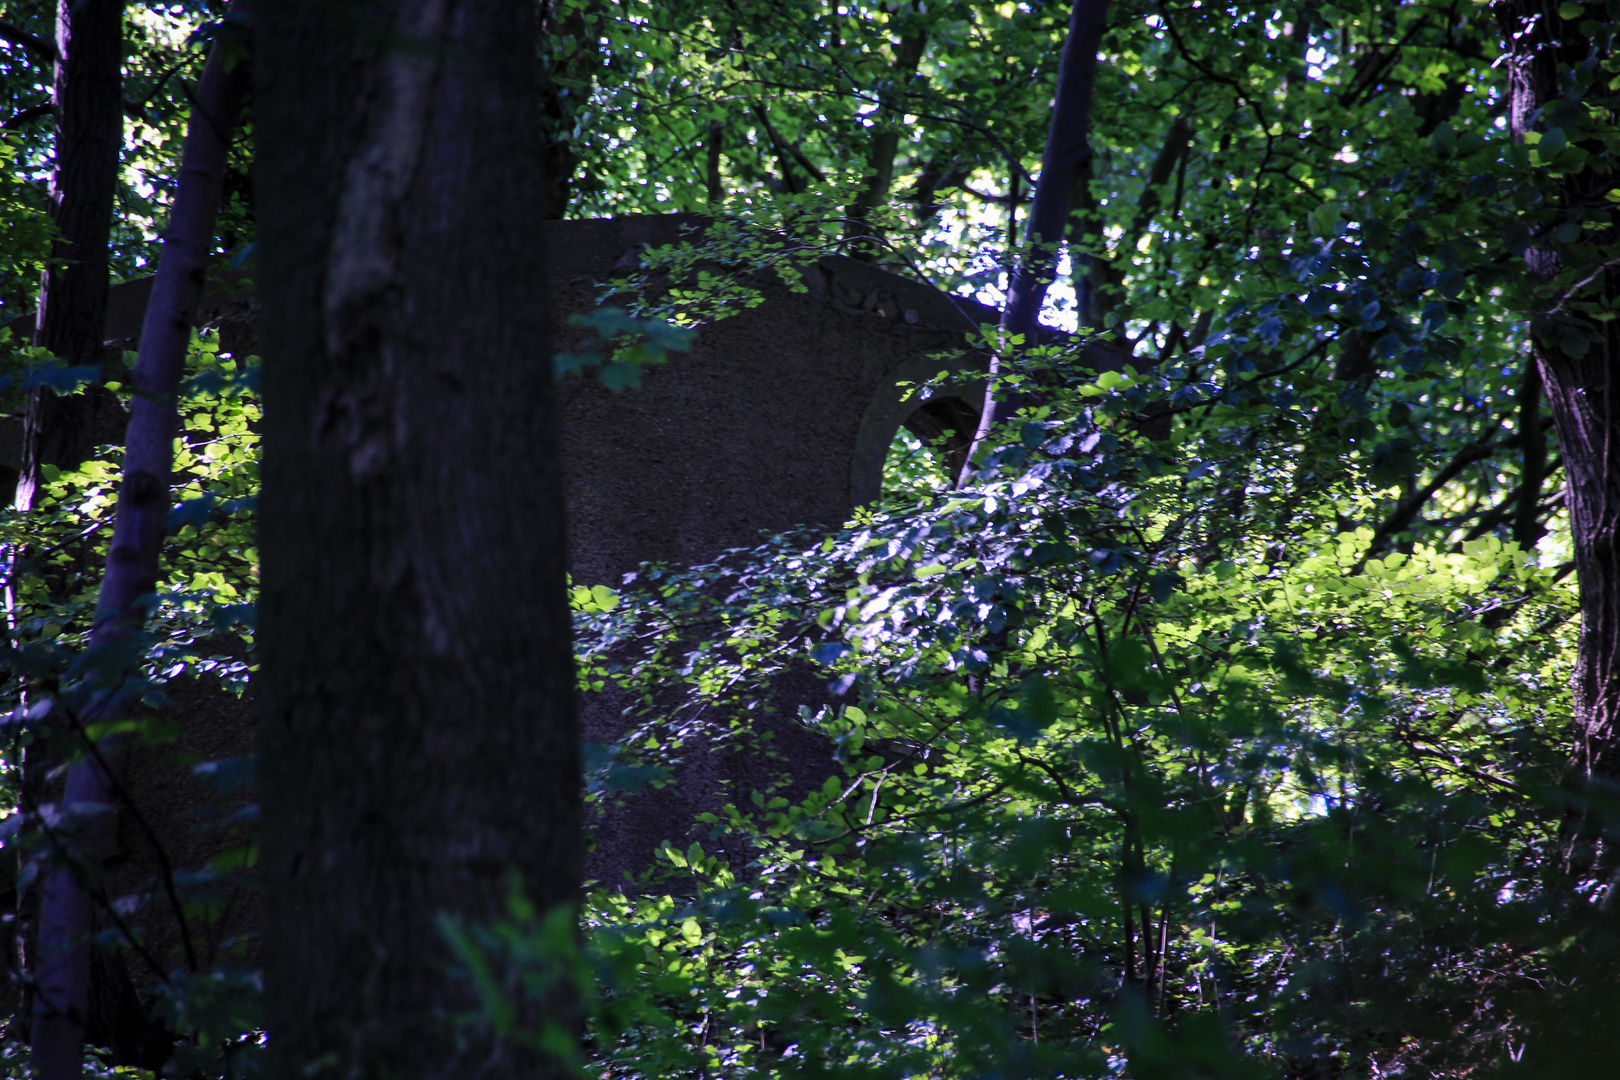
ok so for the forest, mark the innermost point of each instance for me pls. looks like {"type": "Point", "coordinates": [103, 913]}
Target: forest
{"type": "Point", "coordinates": [1236, 694]}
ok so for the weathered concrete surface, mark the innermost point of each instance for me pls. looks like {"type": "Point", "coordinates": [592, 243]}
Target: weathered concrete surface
{"type": "Point", "coordinates": [197, 819]}
{"type": "Point", "coordinates": [779, 416]}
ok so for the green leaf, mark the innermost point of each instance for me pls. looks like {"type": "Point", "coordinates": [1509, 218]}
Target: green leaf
{"type": "Point", "coordinates": [620, 376]}
{"type": "Point", "coordinates": [1324, 220]}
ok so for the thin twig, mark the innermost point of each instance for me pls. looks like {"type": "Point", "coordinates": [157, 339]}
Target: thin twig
{"type": "Point", "coordinates": [165, 868]}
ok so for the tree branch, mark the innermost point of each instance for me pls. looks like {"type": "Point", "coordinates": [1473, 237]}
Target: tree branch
{"type": "Point", "coordinates": [1409, 507]}
{"type": "Point", "coordinates": [786, 152]}
{"type": "Point", "coordinates": [43, 48]}
{"type": "Point", "coordinates": [23, 116]}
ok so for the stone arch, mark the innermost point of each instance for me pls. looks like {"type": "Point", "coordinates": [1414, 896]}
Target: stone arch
{"type": "Point", "coordinates": [950, 412]}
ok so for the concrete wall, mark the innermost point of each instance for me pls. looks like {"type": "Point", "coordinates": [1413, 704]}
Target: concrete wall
{"type": "Point", "coordinates": [779, 416]}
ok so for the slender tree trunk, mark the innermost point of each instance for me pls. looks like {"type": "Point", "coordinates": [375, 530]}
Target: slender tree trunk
{"type": "Point", "coordinates": [1527, 528]}
{"type": "Point", "coordinates": [67, 908]}
{"type": "Point", "coordinates": [1579, 385]}
{"type": "Point", "coordinates": [884, 148]}
{"type": "Point", "coordinates": [73, 303]}
{"type": "Point", "coordinates": [1097, 285]}
{"type": "Point", "coordinates": [73, 295]}
{"type": "Point", "coordinates": [713, 147]}
{"type": "Point", "coordinates": [418, 745]}
{"type": "Point", "coordinates": [564, 87]}
{"type": "Point", "coordinates": [1068, 148]}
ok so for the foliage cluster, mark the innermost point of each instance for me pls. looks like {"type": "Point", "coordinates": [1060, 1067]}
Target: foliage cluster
{"type": "Point", "coordinates": [201, 625]}
{"type": "Point", "coordinates": [1129, 780]}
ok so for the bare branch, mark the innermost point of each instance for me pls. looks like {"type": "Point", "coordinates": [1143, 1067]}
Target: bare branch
{"type": "Point", "coordinates": [43, 48]}
{"type": "Point", "coordinates": [23, 116]}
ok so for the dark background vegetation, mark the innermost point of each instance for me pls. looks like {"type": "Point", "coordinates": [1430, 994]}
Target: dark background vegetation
{"type": "Point", "coordinates": [1246, 708]}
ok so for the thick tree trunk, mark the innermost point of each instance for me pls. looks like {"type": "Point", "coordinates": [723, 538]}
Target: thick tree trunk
{"type": "Point", "coordinates": [72, 305]}
{"type": "Point", "coordinates": [1585, 403]}
{"type": "Point", "coordinates": [418, 744]}
{"type": "Point", "coordinates": [1581, 392]}
{"type": "Point", "coordinates": [67, 909]}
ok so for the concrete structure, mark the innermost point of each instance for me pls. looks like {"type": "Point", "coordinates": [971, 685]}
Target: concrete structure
{"type": "Point", "coordinates": [779, 416]}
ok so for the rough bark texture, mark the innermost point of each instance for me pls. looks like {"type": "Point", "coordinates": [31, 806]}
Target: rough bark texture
{"type": "Point", "coordinates": [1583, 398]}
{"type": "Point", "coordinates": [418, 737]}
{"type": "Point", "coordinates": [90, 126]}
{"type": "Point", "coordinates": [67, 908]}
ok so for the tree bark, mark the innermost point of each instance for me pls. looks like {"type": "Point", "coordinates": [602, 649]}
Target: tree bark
{"type": "Point", "coordinates": [1067, 150]}
{"type": "Point", "coordinates": [418, 740]}
{"type": "Point", "coordinates": [1527, 528]}
{"type": "Point", "coordinates": [60, 430]}
{"type": "Point", "coordinates": [67, 906]}
{"type": "Point", "coordinates": [1097, 285]}
{"type": "Point", "coordinates": [713, 147]}
{"type": "Point", "coordinates": [883, 149]}
{"type": "Point", "coordinates": [1579, 387]}
{"type": "Point", "coordinates": [564, 87]}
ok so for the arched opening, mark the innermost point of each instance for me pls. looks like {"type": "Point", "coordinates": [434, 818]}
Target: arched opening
{"type": "Point", "coordinates": [945, 425]}
{"type": "Point", "coordinates": [911, 434]}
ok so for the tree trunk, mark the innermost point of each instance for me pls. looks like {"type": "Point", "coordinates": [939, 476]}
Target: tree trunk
{"type": "Point", "coordinates": [1067, 150]}
{"type": "Point", "coordinates": [1578, 380]}
{"type": "Point", "coordinates": [73, 302]}
{"type": "Point", "coordinates": [713, 146]}
{"type": "Point", "coordinates": [1527, 528]}
{"type": "Point", "coordinates": [418, 745]}
{"type": "Point", "coordinates": [67, 908]}
{"type": "Point", "coordinates": [564, 88]}
{"type": "Point", "coordinates": [884, 148]}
